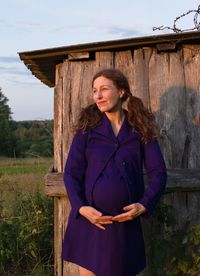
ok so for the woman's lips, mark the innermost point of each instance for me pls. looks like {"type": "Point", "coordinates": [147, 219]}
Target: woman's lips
{"type": "Point", "coordinates": [100, 103]}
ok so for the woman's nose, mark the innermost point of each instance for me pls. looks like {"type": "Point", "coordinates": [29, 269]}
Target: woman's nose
{"type": "Point", "coordinates": [99, 95]}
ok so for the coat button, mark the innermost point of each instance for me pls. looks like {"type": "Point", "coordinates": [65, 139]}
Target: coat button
{"type": "Point", "coordinates": [116, 145]}
{"type": "Point", "coordinates": [123, 163]}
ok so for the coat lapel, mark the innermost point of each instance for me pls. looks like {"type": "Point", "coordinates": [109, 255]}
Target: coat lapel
{"type": "Point", "coordinates": [105, 128]}
{"type": "Point", "coordinates": [125, 132]}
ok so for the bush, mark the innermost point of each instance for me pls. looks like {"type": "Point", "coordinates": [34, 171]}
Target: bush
{"type": "Point", "coordinates": [172, 251]}
{"type": "Point", "coordinates": [26, 242]}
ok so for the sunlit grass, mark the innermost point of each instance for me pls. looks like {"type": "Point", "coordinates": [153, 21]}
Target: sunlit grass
{"type": "Point", "coordinates": [21, 176]}
{"type": "Point", "coordinates": [12, 166]}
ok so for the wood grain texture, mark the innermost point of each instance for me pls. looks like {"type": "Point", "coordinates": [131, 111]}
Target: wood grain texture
{"type": "Point", "coordinates": [192, 85]}
{"type": "Point", "coordinates": [58, 120]}
{"type": "Point", "coordinates": [58, 264]}
{"type": "Point", "coordinates": [141, 74]}
{"type": "Point", "coordinates": [167, 96]}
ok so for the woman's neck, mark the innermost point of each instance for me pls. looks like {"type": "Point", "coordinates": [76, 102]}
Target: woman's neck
{"type": "Point", "coordinates": [116, 119]}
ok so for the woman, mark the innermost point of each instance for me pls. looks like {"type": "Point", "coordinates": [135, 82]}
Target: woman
{"type": "Point", "coordinates": [104, 180]}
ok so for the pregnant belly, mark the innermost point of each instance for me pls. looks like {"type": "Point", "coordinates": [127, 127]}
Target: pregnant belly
{"type": "Point", "coordinates": [109, 196]}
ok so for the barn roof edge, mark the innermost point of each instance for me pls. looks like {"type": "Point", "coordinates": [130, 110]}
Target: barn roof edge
{"type": "Point", "coordinates": [36, 60]}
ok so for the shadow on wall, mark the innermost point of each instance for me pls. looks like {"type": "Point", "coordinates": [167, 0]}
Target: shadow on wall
{"type": "Point", "coordinates": [179, 122]}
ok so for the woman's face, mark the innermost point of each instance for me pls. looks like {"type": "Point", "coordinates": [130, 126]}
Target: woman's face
{"type": "Point", "coordinates": [106, 95]}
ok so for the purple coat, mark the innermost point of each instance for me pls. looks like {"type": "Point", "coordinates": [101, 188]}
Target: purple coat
{"type": "Point", "coordinates": [106, 172]}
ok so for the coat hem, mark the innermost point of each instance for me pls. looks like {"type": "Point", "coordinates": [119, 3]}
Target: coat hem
{"type": "Point", "coordinates": [88, 267]}
{"type": "Point", "coordinates": [74, 261]}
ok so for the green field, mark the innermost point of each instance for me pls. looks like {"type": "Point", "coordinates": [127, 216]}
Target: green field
{"type": "Point", "coordinates": [26, 218]}
{"type": "Point", "coordinates": [12, 166]}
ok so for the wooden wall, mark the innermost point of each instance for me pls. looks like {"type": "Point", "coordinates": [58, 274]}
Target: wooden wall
{"type": "Point", "coordinates": [168, 83]}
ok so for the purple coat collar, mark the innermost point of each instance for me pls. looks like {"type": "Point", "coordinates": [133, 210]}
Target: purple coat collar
{"type": "Point", "coordinates": [125, 132]}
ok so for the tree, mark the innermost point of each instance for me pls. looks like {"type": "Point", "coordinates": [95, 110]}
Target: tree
{"type": "Point", "coordinates": [6, 138]}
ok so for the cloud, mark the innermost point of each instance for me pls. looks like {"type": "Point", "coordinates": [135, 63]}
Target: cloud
{"type": "Point", "coordinates": [6, 59]}
{"type": "Point", "coordinates": [112, 30]}
{"type": "Point", "coordinates": [12, 65]}
{"type": "Point", "coordinates": [29, 24]}
{"type": "Point", "coordinates": [13, 71]}
{"type": "Point", "coordinates": [123, 32]}
{"type": "Point", "coordinates": [24, 82]}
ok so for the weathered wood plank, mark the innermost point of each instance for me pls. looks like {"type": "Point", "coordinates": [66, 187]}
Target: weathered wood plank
{"type": "Point", "coordinates": [57, 238]}
{"type": "Point", "coordinates": [78, 56]}
{"type": "Point", "coordinates": [166, 47]}
{"type": "Point", "coordinates": [178, 180]}
{"type": "Point", "coordinates": [191, 54]}
{"type": "Point", "coordinates": [123, 60]}
{"type": "Point", "coordinates": [67, 111]}
{"type": "Point", "coordinates": [54, 184]}
{"type": "Point", "coordinates": [141, 74]}
{"type": "Point", "coordinates": [167, 98]}
{"type": "Point", "coordinates": [104, 60]}
{"type": "Point", "coordinates": [58, 107]}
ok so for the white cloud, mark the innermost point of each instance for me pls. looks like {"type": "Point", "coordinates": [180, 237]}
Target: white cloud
{"type": "Point", "coordinates": [8, 59]}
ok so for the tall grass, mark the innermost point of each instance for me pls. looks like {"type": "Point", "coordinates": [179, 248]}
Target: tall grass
{"type": "Point", "coordinates": [26, 218]}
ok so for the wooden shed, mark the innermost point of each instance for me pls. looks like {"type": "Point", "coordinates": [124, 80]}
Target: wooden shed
{"type": "Point", "coordinates": [163, 71]}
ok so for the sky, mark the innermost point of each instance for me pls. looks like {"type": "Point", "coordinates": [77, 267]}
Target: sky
{"type": "Point", "coordinates": [27, 25]}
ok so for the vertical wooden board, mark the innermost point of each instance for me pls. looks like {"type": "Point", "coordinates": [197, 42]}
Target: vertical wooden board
{"type": "Point", "coordinates": [104, 60]}
{"type": "Point", "coordinates": [192, 80]}
{"type": "Point", "coordinates": [58, 102]}
{"type": "Point", "coordinates": [168, 102]}
{"type": "Point", "coordinates": [186, 206]}
{"type": "Point", "coordinates": [58, 264]}
{"type": "Point", "coordinates": [89, 69]}
{"type": "Point", "coordinates": [67, 110]}
{"type": "Point", "coordinates": [179, 202]}
{"type": "Point", "coordinates": [193, 205]}
{"type": "Point", "coordinates": [123, 60]}
{"type": "Point", "coordinates": [81, 85]}
{"type": "Point", "coordinates": [141, 74]}
{"type": "Point", "coordinates": [76, 82]}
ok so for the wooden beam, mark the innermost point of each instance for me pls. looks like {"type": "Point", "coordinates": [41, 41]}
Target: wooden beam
{"type": "Point", "coordinates": [78, 56]}
{"type": "Point", "coordinates": [54, 185]}
{"type": "Point", "coordinates": [178, 180]}
{"type": "Point", "coordinates": [165, 47]}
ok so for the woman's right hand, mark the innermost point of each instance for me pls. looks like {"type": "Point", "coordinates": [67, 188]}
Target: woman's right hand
{"type": "Point", "coordinates": [95, 216]}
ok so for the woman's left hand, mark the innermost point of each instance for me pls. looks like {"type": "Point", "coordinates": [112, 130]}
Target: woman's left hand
{"type": "Point", "coordinates": [133, 210]}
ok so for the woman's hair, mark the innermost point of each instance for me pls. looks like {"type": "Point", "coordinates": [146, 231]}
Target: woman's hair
{"type": "Point", "coordinates": [139, 117]}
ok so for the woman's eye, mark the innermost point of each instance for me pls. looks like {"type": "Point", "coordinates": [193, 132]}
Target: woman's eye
{"type": "Point", "coordinates": [104, 89]}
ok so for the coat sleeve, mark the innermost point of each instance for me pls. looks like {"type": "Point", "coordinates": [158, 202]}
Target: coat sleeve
{"type": "Point", "coordinates": [157, 176]}
{"type": "Point", "coordinates": [74, 172]}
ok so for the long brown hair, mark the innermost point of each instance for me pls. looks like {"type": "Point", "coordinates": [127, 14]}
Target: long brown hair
{"type": "Point", "coordinates": [139, 117]}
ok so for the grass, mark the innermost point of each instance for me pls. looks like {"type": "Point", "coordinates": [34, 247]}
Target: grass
{"type": "Point", "coordinates": [12, 166]}
{"type": "Point", "coordinates": [22, 200]}
{"type": "Point", "coordinates": [21, 176]}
